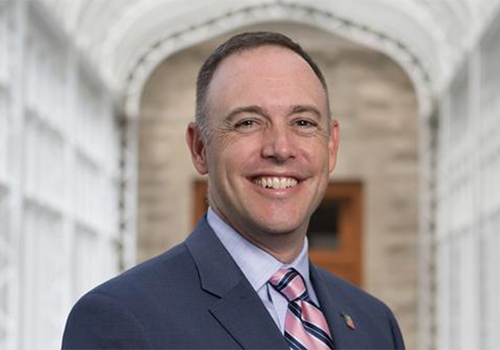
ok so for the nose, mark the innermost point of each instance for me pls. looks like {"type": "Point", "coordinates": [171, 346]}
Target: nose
{"type": "Point", "coordinates": [278, 144]}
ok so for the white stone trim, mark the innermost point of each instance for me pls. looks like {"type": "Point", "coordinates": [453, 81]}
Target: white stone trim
{"type": "Point", "coordinates": [323, 19]}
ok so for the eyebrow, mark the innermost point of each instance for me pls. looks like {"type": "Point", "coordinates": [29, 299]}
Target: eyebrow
{"type": "Point", "coordinates": [246, 109]}
{"type": "Point", "coordinates": [261, 111]}
{"type": "Point", "coordinates": [306, 108]}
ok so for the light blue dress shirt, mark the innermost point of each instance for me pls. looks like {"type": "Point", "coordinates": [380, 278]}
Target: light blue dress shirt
{"type": "Point", "coordinates": [258, 266]}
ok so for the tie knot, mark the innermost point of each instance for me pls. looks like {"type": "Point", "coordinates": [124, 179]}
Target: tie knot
{"type": "Point", "coordinates": [290, 283]}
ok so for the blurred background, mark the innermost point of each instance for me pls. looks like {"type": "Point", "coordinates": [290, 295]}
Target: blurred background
{"type": "Point", "coordinates": [95, 97]}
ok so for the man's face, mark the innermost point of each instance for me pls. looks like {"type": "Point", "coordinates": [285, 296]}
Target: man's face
{"type": "Point", "coordinates": [270, 149]}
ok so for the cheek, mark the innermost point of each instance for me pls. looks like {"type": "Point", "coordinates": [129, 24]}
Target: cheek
{"type": "Point", "coordinates": [239, 162]}
{"type": "Point", "coordinates": [230, 160]}
{"type": "Point", "coordinates": [242, 150]}
{"type": "Point", "coordinates": [317, 154]}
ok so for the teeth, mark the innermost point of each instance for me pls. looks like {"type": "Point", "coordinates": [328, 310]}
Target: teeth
{"type": "Point", "coordinates": [283, 182]}
{"type": "Point", "coordinates": [275, 182]}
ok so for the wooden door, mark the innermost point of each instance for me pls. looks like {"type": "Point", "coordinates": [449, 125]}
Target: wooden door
{"type": "Point", "coordinates": [200, 201]}
{"type": "Point", "coordinates": [334, 231]}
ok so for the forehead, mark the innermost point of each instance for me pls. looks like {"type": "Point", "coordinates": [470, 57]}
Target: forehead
{"type": "Point", "coordinates": [278, 59]}
{"type": "Point", "coordinates": [265, 71]}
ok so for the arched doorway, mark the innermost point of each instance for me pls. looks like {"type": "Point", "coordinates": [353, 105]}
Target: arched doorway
{"type": "Point", "coordinates": [375, 102]}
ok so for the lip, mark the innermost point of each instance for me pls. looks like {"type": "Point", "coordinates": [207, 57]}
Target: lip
{"type": "Point", "coordinates": [277, 192]}
{"type": "Point", "coordinates": [292, 175]}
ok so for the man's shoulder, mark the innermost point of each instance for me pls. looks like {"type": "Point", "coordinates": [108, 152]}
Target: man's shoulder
{"type": "Point", "coordinates": [361, 309]}
{"type": "Point", "coordinates": [149, 275]}
{"type": "Point", "coordinates": [357, 297]}
{"type": "Point", "coordinates": [119, 312]}
{"type": "Point", "coordinates": [173, 273]}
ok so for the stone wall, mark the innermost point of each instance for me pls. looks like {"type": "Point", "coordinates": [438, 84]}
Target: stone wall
{"type": "Point", "coordinates": [375, 103]}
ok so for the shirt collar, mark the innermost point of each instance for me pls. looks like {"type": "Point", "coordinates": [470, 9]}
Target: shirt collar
{"type": "Point", "coordinates": [256, 264]}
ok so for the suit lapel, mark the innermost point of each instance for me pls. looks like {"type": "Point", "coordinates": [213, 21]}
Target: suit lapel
{"type": "Point", "coordinates": [243, 315]}
{"type": "Point", "coordinates": [239, 309]}
{"type": "Point", "coordinates": [334, 305]}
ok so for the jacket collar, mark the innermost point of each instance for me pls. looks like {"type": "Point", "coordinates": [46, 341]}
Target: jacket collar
{"type": "Point", "coordinates": [218, 272]}
{"type": "Point", "coordinates": [238, 308]}
{"type": "Point", "coordinates": [336, 308]}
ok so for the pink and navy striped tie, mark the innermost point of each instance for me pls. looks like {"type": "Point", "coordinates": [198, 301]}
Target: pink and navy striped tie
{"type": "Point", "coordinates": [305, 324]}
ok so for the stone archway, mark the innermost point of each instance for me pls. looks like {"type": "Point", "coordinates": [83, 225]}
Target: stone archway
{"type": "Point", "coordinates": [377, 107]}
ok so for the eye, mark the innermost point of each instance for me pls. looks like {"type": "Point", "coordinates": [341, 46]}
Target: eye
{"type": "Point", "coordinates": [305, 123]}
{"type": "Point", "coordinates": [248, 125]}
{"type": "Point", "coordinates": [305, 126]}
{"type": "Point", "coordinates": [245, 124]}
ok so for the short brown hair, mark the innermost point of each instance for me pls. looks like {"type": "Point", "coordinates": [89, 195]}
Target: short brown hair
{"type": "Point", "coordinates": [239, 43]}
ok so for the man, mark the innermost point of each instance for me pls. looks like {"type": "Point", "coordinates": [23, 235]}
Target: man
{"type": "Point", "coordinates": [264, 136]}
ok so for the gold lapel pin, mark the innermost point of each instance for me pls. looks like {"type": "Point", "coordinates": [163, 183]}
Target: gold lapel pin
{"type": "Point", "coordinates": [348, 321]}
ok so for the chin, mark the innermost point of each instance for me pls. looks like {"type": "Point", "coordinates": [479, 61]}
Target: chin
{"type": "Point", "coordinates": [281, 222]}
{"type": "Point", "coordinates": [280, 227]}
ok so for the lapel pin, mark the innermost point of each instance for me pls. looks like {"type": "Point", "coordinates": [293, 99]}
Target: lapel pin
{"type": "Point", "coordinates": [348, 321]}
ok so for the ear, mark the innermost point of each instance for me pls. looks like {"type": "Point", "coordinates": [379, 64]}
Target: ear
{"type": "Point", "coordinates": [197, 148]}
{"type": "Point", "coordinates": [333, 144]}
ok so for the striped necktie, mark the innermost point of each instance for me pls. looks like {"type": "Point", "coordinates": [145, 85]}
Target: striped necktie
{"type": "Point", "coordinates": [305, 324]}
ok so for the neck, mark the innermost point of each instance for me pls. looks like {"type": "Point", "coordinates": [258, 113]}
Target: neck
{"type": "Point", "coordinates": [283, 246]}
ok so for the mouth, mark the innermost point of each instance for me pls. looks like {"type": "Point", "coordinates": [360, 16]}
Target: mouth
{"type": "Point", "coordinates": [275, 182]}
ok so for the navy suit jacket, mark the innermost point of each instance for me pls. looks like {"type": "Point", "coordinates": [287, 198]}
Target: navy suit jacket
{"type": "Point", "coordinates": [195, 297]}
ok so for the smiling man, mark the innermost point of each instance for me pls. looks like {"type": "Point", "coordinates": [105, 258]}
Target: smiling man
{"type": "Point", "coordinates": [269, 148]}
{"type": "Point", "coordinates": [264, 136]}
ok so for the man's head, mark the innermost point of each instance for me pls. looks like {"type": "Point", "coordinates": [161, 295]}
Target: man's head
{"type": "Point", "coordinates": [271, 145]}
{"type": "Point", "coordinates": [235, 44]}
